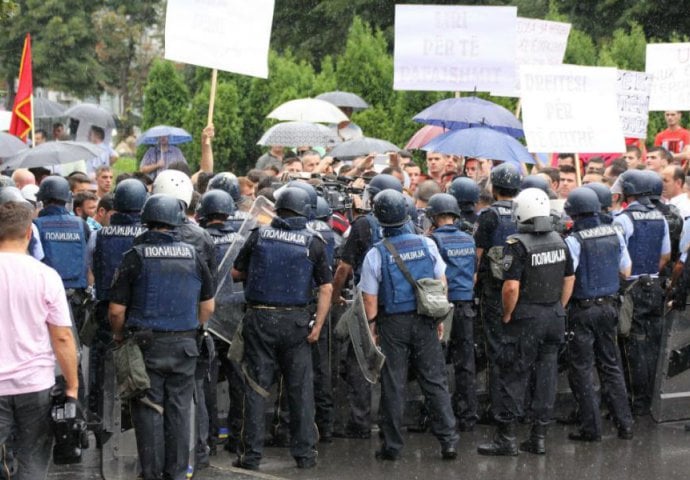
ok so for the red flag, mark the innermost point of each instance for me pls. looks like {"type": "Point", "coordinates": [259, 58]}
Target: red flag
{"type": "Point", "coordinates": [22, 111]}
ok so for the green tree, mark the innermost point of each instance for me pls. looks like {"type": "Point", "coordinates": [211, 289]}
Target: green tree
{"type": "Point", "coordinates": [626, 50]}
{"type": "Point", "coordinates": [166, 97]}
{"type": "Point", "coordinates": [581, 49]}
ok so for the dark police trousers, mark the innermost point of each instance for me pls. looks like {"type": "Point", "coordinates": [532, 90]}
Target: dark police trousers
{"type": "Point", "coordinates": [643, 344]}
{"type": "Point", "coordinates": [491, 310]}
{"type": "Point", "coordinates": [275, 340]}
{"type": "Point", "coordinates": [163, 441]}
{"type": "Point", "coordinates": [594, 325]}
{"type": "Point", "coordinates": [530, 340]}
{"type": "Point", "coordinates": [410, 339]}
{"type": "Point", "coordinates": [462, 356]}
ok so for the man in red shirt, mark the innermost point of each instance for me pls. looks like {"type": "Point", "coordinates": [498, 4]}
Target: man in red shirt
{"type": "Point", "coordinates": [675, 138]}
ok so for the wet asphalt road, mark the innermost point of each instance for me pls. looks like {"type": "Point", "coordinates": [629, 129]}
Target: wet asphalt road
{"type": "Point", "coordinates": [658, 452]}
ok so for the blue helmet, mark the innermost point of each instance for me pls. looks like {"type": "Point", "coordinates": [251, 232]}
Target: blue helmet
{"type": "Point", "coordinates": [215, 202]}
{"type": "Point", "coordinates": [535, 181]}
{"type": "Point", "coordinates": [54, 188]}
{"type": "Point", "coordinates": [383, 181]}
{"type": "Point", "coordinates": [226, 181]}
{"type": "Point", "coordinates": [390, 208]}
{"type": "Point", "coordinates": [323, 209]}
{"type": "Point", "coordinates": [294, 200]}
{"type": "Point", "coordinates": [506, 175]}
{"type": "Point", "coordinates": [162, 208]}
{"type": "Point", "coordinates": [603, 192]}
{"type": "Point", "coordinates": [655, 185]}
{"type": "Point", "coordinates": [130, 196]}
{"type": "Point", "coordinates": [311, 191]}
{"type": "Point", "coordinates": [582, 201]}
{"type": "Point", "coordinates": [465, 190]}
{"type": "Point", "coordinates": [635, 183]}
{"type": "Point", "coordinates": [442, 204]}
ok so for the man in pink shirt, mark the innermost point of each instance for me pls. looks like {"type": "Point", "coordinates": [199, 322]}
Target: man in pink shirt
{"type": "Point", "coordinates": [36, 329]}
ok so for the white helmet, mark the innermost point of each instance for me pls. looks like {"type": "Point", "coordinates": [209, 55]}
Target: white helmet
{"type": "Point", "coordinates": [529, 204]}
{"type": "Point", "coordinates": [175, 184]}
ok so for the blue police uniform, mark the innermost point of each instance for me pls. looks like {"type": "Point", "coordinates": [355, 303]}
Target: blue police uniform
{"type": "Point", "coordinates": [406, 338]}
{"type": "Point", "coordinates": [647, 236]}
{"type": "Point", "coordinates": [161, 281]}
{"type": "Point", "coordinates": [458, 250]}
{"type": "Point", "coordinates": [598, 252]}
{"type": "Point", "coordinates": [283, 262]}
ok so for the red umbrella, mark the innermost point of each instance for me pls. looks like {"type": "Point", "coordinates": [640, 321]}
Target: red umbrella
{"type": "Point", "coordinates": [423, 136]}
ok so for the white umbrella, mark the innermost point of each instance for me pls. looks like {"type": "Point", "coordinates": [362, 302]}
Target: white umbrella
{"type": "Point", "coordinates": [298, 134]}
{"type": "Point", "coordinates": [344, 99]}
{"type": "Point", "coordinates": [92, 114]}
{"type": "Point", "coordinates": [52, 153]}
{"type": "Point", "coordinates": [10, 145]}
{"type": "Point", "coordinates": [308, 110]}
{"type": "Point", "coordinates": [361, 147]}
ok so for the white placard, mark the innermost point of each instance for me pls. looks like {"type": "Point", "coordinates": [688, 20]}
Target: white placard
{"type": "Point", "coordinates": [454, 48]}
{"type": "Point", "coordinates": [669, 65]}
{"type": "Point", "coordinates": [230, 35]}
{"type": "Point", "coordinates": [568, 108]}
{"type": "Point", "coordinates": [539, 42]}
{"type": "Point", "coordinates": [633, 102]}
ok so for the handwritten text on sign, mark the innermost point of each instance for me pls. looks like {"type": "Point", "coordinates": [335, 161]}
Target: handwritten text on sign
{"type": "Point", "coordinates": [569, 108]}
{"type": "Point", "coordinates": [669, 65]}
{"type": "Point", "coordinates": [230, 35]}
{"type": "Point", "coordinates": [453, 48]}
{"type": "Point", "coordinates": [633, 102]}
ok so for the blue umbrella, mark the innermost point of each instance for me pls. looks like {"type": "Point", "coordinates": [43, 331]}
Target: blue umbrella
{"type": "Point", "coordinates": [175, 135]}
{"type": "Point", "coordinates": [466, 112]}
{"type": "Point", "coordinates": [480, 143]}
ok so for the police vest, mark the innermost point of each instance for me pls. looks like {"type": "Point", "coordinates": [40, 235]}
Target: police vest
{"type": "Point", "coordinates": [396, 295]}
{"type": "Point", "coordinates": [326, 232]}
{"type": "Point", "coordinates": [544, 269]}
{"type": "Point", "coordinates": [675, 226]}
{"type": "Point", "coordinates": [458, 251]}
{"type": "Point", "coordinates": [111, 244]}
{"type": "Point", "coordinates": [597, 271]}
{"type": "Point", "coordinates": [165, 295]}
{"type": "Point", "coordinates": [236, 220]}
{"type": "Point", "coordinates": [644, 244]}
{"type": "Point", "coordinates": [280, 270]}
{"type": "Point", "coordinates": [197, 237]}
{"type": "Point", "coordinates": [223, 236]}
{"type": "Point", "coordinates": [506, 225]}
{"type": "Point", "coordinates": [64, 245]}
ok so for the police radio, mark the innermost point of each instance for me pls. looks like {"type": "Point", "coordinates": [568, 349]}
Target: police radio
{"type": "Point", "coordinates": [69, 428]}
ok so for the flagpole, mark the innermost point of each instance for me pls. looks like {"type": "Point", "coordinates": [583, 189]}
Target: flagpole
{"type": "Point", "coordinates": [33, 127]}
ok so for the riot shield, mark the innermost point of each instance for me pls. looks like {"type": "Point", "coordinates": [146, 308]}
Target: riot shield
{"type": "Point", "coordinates": [229, 295]}
{"type": "Point", "coordinates": [369, 356]}
{"type": "Point", "coordinates": [672, 384]}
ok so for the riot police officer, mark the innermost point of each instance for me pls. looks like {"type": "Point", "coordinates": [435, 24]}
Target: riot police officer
{"type": "Point", "coordinates": [458, 251]}
{"type": "Point", "coordinates": [599, 254]}
{"type": "Point", "coordinates": [107, 247]}
{"type": "Point", "coordinates": [364, 232]}
{"type": "Point", "coordinates": [605, 200]}
{"type": "Point", "coordinates": [164, 291]}
{"type": "Point", "coordinates": [229, 183]}
{"type": "Point", "coordinates": [538, 282]}
{"type": "Point", "coordinates": [494, 225]}
{"type": "Point", "coordinates": [466, 193]}
{"type": "Point", "coordinates": [647, 237]}
{"type": "Point", "coordinates": [280, 265]}
{"type": "Point", "coordinates": [405, 337]}
{"type": "Point", "coordinates": [673, 217]}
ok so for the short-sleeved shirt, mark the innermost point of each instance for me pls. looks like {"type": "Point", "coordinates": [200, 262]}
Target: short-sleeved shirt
{"type": "Point", "coordinates": [170, 156]}
{"type": "Point", "coordinates": [102, 160]}
{"type": "Point", "coordinates": [371, 277]}
{"type": "Point", "coordinates": [32, 297]}
{"type": "Point", "coordinates": [576, 248]}
{"type": "Point", "coordinates": [673, 140]}
{"type": "Point", "coordinates": [317, 254]}
{"type": "Point", "coordinates": [517, 252]}
{"type": "Point", "coordinates": [685, 241]}
{"type": "Point", "coordinates": [357, 243]}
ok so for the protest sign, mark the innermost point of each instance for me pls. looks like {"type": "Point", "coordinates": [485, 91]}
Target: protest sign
{"type": "Point", "coordinates": [229, 35]}
{"type": "Point", "coordinates": [454, 48]}
{"type": "Point", "coordinates": [669, 65]}
{"type": "Point", "coordinates": [539, 42]}
{"type": "Point", "coordinates": [633, 102]}
{"type": "Point", "coordinates": [568, 108]}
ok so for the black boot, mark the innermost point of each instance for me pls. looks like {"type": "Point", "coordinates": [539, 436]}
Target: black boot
{"type": "Point", "coordinates": [503, 443]}
{"type": "Point", "coordinates": [535, 442]}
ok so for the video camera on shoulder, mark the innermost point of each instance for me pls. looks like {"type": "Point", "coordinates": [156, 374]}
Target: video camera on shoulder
{"type": "Point", "coordinates": [69, 428]}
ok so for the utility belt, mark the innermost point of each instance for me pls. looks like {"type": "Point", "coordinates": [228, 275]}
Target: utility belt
{"type": "Point", "coordinates": [588, 302]}
{"type": "Point", "coordinates": [645, 280]}
{"type": "Point", "coordinates": [260, 306]}
{"type": "Point", "coordinates": [144, 333]}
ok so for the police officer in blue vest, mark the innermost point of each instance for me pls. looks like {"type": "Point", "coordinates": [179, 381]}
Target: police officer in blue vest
{"type": "Point", "coordinates": [466, 193]}
{"type": "Point", "coordinates": [107, 248]}
{"type": "Point", "coordinates": [364, 232]}
{"type": "Point", "coordinates": [458, 251]}
{"type": "Point", "coordinates": [605, 200]}
{"type": "Point", "coordinates": [405, 337]}
{"type": "Point", "coordinates": [599, 255]}
{"type": "Point", "coordinates": [162, 292]}
{"type": "Point", "coordinates": [64, 238]}
{"type": "Point", "coordinates": [494, 225]}
{"type": "Point", "coordinates": [229, 183]}
{"type": "Point", "coordinates": [280, 265]}
{"type": "Point", "coordinates": [538, 283]}
{"type": "Point", "coordinates": [647, 237]}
